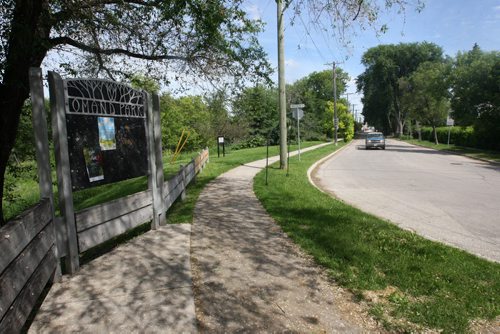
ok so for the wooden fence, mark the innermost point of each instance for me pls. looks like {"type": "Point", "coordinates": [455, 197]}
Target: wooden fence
{"type": "Point", "coordinates": [28, 261]}
{"type": "Point", "coordinates": [31, 245]}
{"type": "Point", "coordinates": [102, 222]}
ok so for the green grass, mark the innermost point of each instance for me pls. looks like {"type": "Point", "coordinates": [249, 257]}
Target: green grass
{"type": "Point", "coordinates": [419, 283]}
{"type": "Point", "coordinates": [25, 191]}
{"type": "Point", "coordinates": [467, 151]}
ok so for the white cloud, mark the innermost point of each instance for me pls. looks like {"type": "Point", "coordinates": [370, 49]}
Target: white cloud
{"type": "Point", "coordinates": [292, 63]}
{"type": "Point", "coordinates": [254, 12]}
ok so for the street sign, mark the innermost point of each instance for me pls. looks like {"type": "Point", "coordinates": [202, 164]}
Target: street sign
{"type": "Point", "coordinates": [298, 113]}
{"type": "Point", "coordinates": [297, 106]}
{"type": "Point", "coordinates": [450, 121]}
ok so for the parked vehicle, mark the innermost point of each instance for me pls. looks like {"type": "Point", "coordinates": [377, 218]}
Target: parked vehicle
{"type": "Point", "coordinates": [375, 140]}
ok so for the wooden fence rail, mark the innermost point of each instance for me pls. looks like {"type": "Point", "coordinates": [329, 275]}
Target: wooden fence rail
{"type": "Point", "coordinates": [102, 222]}
{"type": "Point", "coordinates": [28, 261]}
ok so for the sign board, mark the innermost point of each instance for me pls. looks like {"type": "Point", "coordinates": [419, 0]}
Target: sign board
{"type": "Point", "coordinates": [450, 121]}
{"type": "Point", "coordinates": [220, 140]}
{"type": "Point", "coordinates": [298, 113]}
{"type": "Point", "coordinates": [297, 106]}
{"type": "Point", "coordinates": [106, 132]}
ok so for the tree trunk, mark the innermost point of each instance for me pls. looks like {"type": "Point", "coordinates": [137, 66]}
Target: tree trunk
{"type": "Point", "coordinates": [419, 130]}
{"type": "Point", "coordinates": [26, 48]}
{"type": "Point", "coordinates": [435, 135]}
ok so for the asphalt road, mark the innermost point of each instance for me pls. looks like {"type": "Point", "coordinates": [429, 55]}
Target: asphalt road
{"type": "Point", "coordinates": [444, 197]}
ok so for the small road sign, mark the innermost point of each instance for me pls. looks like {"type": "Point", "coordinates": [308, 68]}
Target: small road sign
{"type": "Point", "coordinates": [297, 106]}
{"type": "Point", "coordinates": [298, 113]}
{"type": "Point", "coordinates": [450, 121]}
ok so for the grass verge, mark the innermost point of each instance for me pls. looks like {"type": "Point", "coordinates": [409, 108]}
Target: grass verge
{"type": "Point", "coordinates": [25, 191]}
{"type": "Point", "coordinates": [467, 151]}
{"type": "Point", "coordinates": [410, 283]}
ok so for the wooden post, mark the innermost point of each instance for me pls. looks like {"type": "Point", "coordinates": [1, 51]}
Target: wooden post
{"type": "Point", "coordinates": [193, 161]}
{"type": "Point", "coordinates": [159, 161]}
{"type": "Point", "coordinates": [182, 171]}
{"type": "Point", "coordinates": [152, 175]}
{"type": "Point", "coordinates": [58, 109]}
{"type": "Point", "coordinates": [42, 148]}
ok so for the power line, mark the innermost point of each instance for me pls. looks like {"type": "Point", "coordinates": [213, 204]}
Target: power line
{"type": "Point", "coordinates": [312, 39]}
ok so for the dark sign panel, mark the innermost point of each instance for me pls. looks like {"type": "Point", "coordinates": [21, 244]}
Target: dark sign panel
{"type": "Point", "coordinates": [106, 132]}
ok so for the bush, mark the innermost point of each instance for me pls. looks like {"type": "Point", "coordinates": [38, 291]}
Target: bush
{"type": "Point", "coordinates": [251, 142]}
{"type": "Point", "coordinates": [460, 136]}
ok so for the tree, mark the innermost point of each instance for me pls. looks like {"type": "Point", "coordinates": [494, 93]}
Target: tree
{"type": "Point", "coordinates": [213, 39]}
{"type": "Point", "coordinates": [316, 91]}
{"type": "Point", "coordinates": [475, 86]}
{"type": "Point", "coordinates": [385, 66]}
{"type": "Point", "coordinates": [256, 110]}
{"type": "Point", "coordinates": [429, 88]}
{"type": "Point", "coordinates": [189, 114]}
{"type": "Point", "coordinates": [346, 121]}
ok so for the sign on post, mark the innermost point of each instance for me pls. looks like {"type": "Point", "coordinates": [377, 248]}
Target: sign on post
{"type": "Point", "coordinates": [220, 141]}
{"type": "Point", "coordinates": [298, 113]}
{"type": "Point", "coordinates": [103, 132]}
{"type": "Point", "coordinates": [449, 122]}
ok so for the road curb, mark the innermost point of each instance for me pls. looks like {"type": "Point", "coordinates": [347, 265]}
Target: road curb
{"type": "Point", "coordinates": [315, 165]}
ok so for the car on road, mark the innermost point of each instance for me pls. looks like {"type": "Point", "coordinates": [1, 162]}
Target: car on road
{"type": "Point", "coordinates": [375, 140]}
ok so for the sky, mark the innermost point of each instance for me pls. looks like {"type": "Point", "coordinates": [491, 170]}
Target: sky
{"type": "Point", "coordinates": [455, 25]}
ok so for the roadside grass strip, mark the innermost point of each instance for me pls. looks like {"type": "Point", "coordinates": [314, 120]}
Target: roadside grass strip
{"type": "Point", "coordinates": [410, 283]}
{"type": "Point", "coordinates": [467, 151]}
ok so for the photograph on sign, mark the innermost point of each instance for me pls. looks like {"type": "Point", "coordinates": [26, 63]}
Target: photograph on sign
{"type": "Point", "coordinates": [107, 139]}
{"type": "Point", "coordinates": [93, 164]}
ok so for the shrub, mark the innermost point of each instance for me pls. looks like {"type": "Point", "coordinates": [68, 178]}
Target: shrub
{"type": "Point", "coordinates": [460, 136]}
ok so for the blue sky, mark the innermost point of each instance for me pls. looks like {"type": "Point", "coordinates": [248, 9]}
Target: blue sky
{"type": "Point", "coordinates": [455, 25]}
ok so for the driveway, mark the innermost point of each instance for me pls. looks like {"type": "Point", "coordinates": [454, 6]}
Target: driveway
{"type": "Point", "coordinates": [444, 197]}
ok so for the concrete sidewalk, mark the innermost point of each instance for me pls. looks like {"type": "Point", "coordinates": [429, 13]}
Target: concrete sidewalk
{"type": "Point", "coordinates": [143, 286]}
{"type": "Point", "coordinates": [249, 277]}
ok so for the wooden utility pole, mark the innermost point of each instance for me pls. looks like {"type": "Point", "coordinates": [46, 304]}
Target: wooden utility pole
{"type": "Point", "coordinates": [335, 119]}
{"type": "Point", "coordinates": [281, 86]}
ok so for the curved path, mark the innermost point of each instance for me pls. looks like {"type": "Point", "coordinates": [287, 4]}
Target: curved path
{"type": "Point", "coordinates": [249, 277]}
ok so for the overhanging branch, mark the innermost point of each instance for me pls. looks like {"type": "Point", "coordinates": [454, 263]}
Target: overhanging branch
{"type": "Point", "coordinates": [64, 40]}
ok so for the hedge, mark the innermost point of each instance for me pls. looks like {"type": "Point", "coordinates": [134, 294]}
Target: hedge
{"type": "Point", "coordinates": [460, 136]}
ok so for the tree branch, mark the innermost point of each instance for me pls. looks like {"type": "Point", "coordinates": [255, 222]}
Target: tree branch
{"type": "Point", "coordinates": [96, 50]}
{"type": "Point", "coordinates": [359, 10]}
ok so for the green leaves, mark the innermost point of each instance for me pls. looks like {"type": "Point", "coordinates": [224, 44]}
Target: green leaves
{"type": "Point", "coordinates": [381, 82]}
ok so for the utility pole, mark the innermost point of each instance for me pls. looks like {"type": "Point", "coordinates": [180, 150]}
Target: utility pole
{"type": "Point", "coordinates": [335, 119]}
{"type": "Point", "coordinates": [347, 94]}
{"type": "Point", "coordinates": [353, 113]}
{"type": "Point", "coordinates": [281, 86]}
